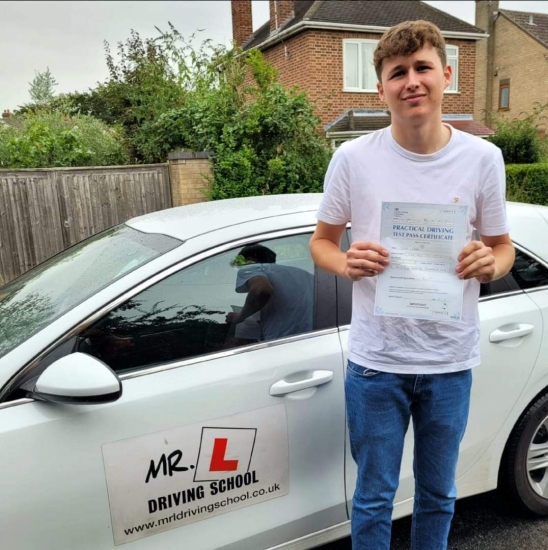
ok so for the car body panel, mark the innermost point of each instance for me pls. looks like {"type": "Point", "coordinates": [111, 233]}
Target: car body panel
{"type": "Point", "coordinates": [67, 483]}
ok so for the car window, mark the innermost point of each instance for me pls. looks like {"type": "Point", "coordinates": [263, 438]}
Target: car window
{"type": "Point", "coordinates": [41, 295]}
{"type": "Point", "coordinates": [247, 295]}
{"type": "Point", "coordinates": [528, 272]}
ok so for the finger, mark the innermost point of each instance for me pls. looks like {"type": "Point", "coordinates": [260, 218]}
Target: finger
{"type": "Point", "coordinates": [368, 255]}
{"type": "Point", "coordinates": [365, 265]}
{"type": "Point", "coordinates": [474, 256]}
{"type": "Point", "coordinates": [469, 249]}
{"type": "Point", "coordinates": [483, 266]}
{"type": "Point", "coordinates": [368, 245]}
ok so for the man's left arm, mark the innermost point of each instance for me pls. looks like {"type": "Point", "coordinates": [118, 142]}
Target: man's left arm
{"type": "Point", "coordinates": [486, 260]}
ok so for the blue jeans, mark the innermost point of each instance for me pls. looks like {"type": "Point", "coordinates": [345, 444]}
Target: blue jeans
{"type": "Point", "coordinates": [379, 407]}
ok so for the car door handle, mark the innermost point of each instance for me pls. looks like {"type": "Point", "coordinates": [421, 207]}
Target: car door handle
{"type": "Point", "coordinates": [317, 378]}
{"type": "Point", "coordinates": [517, 331]}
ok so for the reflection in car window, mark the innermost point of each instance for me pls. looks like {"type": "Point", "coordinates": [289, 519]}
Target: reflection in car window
{"type": "Point", "coordinates": [528, 272]}
{"type": "Point", "coordinates": [41, 295]}
{"type": "Point", "coordinates": [247, 295]}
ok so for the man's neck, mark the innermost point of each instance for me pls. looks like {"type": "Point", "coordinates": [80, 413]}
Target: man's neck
{"type": "Point", "coordinates": [423, 139]}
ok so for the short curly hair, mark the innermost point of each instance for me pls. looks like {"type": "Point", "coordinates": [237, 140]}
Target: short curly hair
{"type": "Point", "coordinates": [407, 38]}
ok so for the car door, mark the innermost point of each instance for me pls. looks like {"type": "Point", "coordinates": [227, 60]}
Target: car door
{"type": "Point", "coordinates": [508, 358]}
{"type": "Point", "coordinates": [223, 438]}
{"type": "Point", "coordinates": [511, 338]}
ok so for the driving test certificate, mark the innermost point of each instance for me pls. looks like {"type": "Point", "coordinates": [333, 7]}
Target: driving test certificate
{"type": "Point", "coordinates": [424, 241]}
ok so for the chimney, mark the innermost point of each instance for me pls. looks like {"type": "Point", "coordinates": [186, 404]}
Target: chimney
{"type": "Point", "coordinates": [281, 11]}
{"type": "Point", "coordinates": [6, 113]}
{"type": "Point", "coordinates": [242, 22]}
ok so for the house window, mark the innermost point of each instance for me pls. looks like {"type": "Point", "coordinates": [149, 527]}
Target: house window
{"type": "Point", "coordinates": [453, 60]}
{"type": "Point", "coordinates": [504, 94]}
{"type": "Point", "coordinates": [359, 71]}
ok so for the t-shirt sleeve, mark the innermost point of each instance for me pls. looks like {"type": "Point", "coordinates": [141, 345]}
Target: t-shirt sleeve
{"type": "Point", "coordinates": [335, 205]}
{"type": "Point", "coordinates": [246, 273]}
{"type": "Point", "coordinates": [491, 216]}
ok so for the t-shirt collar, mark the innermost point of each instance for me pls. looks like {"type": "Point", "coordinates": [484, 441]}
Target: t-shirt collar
{"type": "Point", "coordinates": [417, 156]}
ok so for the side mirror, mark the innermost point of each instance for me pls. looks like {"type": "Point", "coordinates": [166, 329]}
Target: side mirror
{"type": "Point", "coordinates": [78, 379]}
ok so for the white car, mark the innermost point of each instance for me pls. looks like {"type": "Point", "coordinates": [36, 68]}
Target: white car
{"type": "Point", "coordinates": [134, 409]}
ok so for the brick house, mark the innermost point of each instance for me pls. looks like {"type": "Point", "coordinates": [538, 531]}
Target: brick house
{"type": "Point", "coordinates": [326, 48]}
{"type": "Point", "coordinates": [512, 64]}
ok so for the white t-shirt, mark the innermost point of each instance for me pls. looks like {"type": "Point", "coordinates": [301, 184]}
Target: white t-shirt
{"type": "Point", "coordinates": [290, 309]}
{"type": "Point", "coordinates": [374, 168]}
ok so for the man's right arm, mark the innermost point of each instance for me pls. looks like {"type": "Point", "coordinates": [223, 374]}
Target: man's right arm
{"type": "Point", "coordinates": [325, 247]}
{"type": "Point", "coordinates": [363, 259]}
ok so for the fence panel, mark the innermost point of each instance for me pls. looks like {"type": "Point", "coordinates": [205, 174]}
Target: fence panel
{"type": "Point", "coordinates": [45, 211]}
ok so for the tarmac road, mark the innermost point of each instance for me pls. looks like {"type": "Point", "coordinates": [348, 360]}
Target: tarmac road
{"type": "Point", "coordinates": [481, 523]}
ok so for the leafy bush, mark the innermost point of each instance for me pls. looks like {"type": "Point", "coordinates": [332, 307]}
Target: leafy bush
{"type": "Point", "coordinates": [264, 135]}
{"type": "Point", "coordinates": [46, 139]}
{"type": "Point", "coordinates": [519, 139]}
{"type": "Point", "coordinates": [527, 183]}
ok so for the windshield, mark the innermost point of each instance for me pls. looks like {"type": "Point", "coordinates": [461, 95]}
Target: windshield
{"type": "Point", "coordinates": [37, 298]}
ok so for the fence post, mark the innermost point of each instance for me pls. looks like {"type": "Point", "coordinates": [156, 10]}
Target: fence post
{"type": "Point", "coordinates": [187, 171]}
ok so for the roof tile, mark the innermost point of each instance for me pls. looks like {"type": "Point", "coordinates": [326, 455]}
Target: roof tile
{"type": "Point", "coordinates": [376, 13]}
{"type": "Point", "coordinates": [539, 26]}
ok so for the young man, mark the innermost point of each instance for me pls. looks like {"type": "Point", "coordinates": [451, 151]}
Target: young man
{"type": "Point", "coordinates": [400, 368]}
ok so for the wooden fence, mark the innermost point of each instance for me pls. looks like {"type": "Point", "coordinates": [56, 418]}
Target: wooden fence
{"type": "Point", "coordinates": [45, 211]}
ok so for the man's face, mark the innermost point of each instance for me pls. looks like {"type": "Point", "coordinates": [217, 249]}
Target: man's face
{"type": "Point", "coordinates": [413, 86]}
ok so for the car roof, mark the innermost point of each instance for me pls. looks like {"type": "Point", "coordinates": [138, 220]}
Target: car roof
{"type": "Point", "coordinates": [529, 227]}
{"type": "Point", "coordinates": [186, 222]}
{"type": "Point", "coordinates": [527, 221]}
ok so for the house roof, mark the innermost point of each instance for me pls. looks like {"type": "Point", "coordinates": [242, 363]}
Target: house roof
{"type": "Point", "coordinates": [8, 121]}
{"type": "Point", "coordinates": [370, 13]}
{"type": "Point", "coordinates": [535, 24]}
{"type": "Point", "coordinates": [361, 121]}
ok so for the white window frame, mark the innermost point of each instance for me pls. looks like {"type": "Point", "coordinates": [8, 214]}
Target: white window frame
{"type": "Point", "coordinates": [454, 88]}
{"type": "Point", "coordinates": [358, 42]}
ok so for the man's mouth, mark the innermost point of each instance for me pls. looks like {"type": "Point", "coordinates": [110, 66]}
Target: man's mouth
{"type": "Point", "coordinates": [414, 96]}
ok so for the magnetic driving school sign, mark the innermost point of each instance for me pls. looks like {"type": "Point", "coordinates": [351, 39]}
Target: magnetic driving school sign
{"type": "Point", "coordinates": [168, 479]}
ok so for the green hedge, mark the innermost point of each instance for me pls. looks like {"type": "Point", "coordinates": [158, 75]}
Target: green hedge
{"type": "Point", "coordinates": [527, 183]}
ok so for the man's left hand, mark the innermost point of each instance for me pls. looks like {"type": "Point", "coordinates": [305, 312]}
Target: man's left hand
{"type": "Point", "coordinates": [477, 261]}
{"type": "Point", "coordinates": [232, 317]}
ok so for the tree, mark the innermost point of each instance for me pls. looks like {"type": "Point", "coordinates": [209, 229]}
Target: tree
{"type": "Point", "coordinates": [167, 93]}
{"type": "Point", "coordinates": [47, 139]}
{"type": "Point", "coordinates": [42, 87]}
{"type": "Point", "coordinates": [264, 135]}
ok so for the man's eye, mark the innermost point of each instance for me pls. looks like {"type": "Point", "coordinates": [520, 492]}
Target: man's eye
{"type": "Point", "coordinates": [423, 68]}
{"type": "Point", "coordinates": [399, 73]}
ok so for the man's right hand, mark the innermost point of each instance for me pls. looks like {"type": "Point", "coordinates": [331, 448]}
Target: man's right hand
{"type": "Point", "coordinates": [365, 259]}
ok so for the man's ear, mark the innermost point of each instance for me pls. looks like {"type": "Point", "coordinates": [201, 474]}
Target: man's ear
{"type": "Point", "coordinates": [380, 89]}
{"type": "Point", "coordinates": [447, 74]}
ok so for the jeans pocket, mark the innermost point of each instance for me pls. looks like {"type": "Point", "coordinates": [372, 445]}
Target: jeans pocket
{"type": "Point", "coordinates": [364, 372]}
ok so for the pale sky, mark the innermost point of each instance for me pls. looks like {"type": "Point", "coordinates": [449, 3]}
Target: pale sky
{"type": "Point", "coordinates": [68, 36]}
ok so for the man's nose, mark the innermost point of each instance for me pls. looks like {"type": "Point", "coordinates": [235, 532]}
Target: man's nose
{"type": "Point", "coordinates": [412, 80]}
